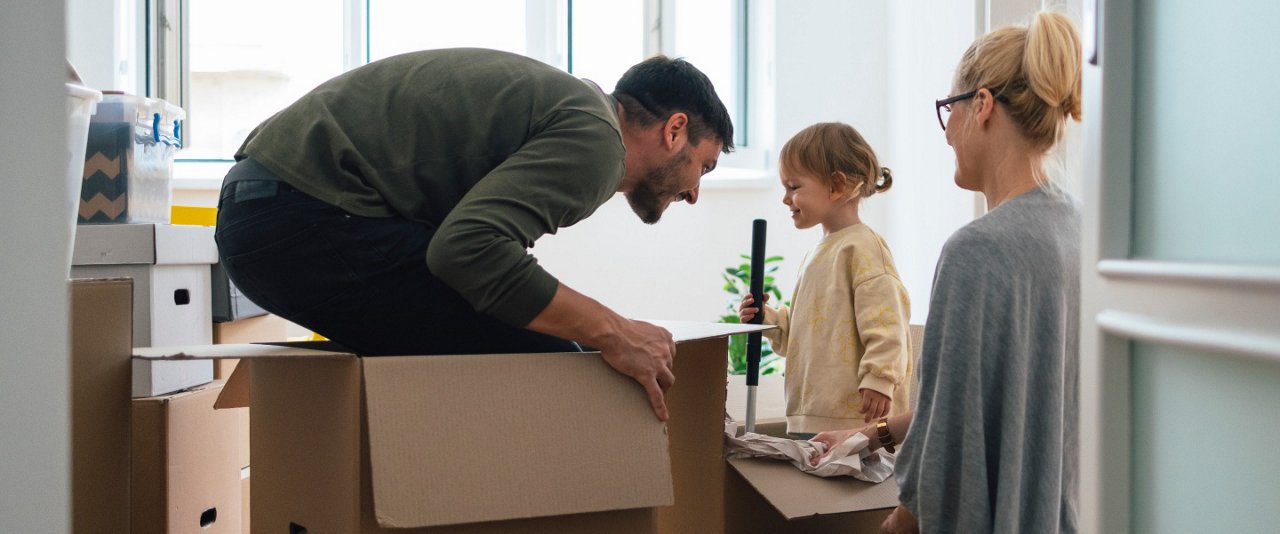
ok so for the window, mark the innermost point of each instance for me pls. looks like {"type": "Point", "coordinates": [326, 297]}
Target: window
{"type": "Point", "coordinates": [242, 69]}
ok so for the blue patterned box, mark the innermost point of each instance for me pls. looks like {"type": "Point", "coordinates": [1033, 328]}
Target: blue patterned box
{"type": "Point", "coordinates": [128, 168]}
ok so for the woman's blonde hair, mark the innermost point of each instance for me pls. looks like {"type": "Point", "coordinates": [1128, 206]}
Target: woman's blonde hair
{"type": "Point", "coordinates": [1036, 68]}
{"type": "Point", "coordinates": [828, 148]}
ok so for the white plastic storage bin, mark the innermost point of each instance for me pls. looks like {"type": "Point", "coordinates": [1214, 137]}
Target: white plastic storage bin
{"type": "Point", "coordinates": [172, 302]}
{"type": "Point", "coordinates": [128, 167]}
{"type": "Point", "coordinates": [81, 103]}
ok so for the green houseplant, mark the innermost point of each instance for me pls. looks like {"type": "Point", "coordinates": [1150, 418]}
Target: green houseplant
{"type": "Point", "coordinates": [737, 282]}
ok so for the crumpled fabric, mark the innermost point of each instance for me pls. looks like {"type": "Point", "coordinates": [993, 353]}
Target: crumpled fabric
{"type": "Point", "coordinates": [850, 458]}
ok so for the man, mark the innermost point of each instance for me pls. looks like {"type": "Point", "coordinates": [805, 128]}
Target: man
{"type": "Point", "coordinates": [391, 208]}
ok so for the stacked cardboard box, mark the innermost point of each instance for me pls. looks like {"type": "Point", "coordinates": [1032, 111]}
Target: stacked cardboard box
{"type": "Point", "coordinates": [161, 464]}
{"type": "Point", "coordinates": [185, 472]}
{"type": "Point", "coordinates": [171, 295]}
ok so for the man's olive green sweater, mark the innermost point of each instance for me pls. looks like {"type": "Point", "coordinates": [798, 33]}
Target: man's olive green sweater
{"type": "Point", "coordinates": [491, 150]}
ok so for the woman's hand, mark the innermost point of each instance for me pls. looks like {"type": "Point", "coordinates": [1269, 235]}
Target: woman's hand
{"type": "Point", "coordinates": [745, 309]}
{"type": "Point", "coordinates": [874, 405]}
{"type": "Point", "coordinates": [832, 438]}
{"type": "Point", "coordinates": [900, 521]}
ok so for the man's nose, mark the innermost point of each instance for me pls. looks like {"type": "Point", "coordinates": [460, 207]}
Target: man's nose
{"type": "Point", "coordinates": [692, 196]}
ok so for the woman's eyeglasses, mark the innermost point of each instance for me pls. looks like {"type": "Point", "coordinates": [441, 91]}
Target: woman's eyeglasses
{"type": "Point", "coordinates": [945, 104]}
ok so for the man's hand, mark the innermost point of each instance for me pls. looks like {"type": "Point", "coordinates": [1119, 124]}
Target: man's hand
{"type": "Point", "coordinates": [646, 353]}
{"type": "Point", "coordinates": [640, 350]}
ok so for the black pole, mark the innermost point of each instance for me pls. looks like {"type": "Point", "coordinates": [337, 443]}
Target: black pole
{"type": "Point", "coordinates": [757, 295]}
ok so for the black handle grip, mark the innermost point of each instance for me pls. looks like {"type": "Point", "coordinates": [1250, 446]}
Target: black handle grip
{"type": "Point", "coordinates": [757, 295]}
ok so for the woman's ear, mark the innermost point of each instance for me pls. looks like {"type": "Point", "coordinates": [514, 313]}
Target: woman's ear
{"type": "Point", "coordinates": [984, 106]}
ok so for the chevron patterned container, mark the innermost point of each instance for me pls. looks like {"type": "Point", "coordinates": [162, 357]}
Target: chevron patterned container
{"type": "Point", "coordinates": [128, 167]}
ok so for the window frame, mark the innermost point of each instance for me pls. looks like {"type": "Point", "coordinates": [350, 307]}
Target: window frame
{"type": "Point", "coordinates": [168, 72]}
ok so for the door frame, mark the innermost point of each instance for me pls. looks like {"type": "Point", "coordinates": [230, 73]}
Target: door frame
{"type": "Point", "coordinates": [1224, 309]}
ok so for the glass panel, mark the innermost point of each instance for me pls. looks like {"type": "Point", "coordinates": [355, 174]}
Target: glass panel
{"type": "Point", "coordinates": [399, 26]}
{"type": "Point", "coordinates": [705, 35]}
{"type": "Point", "coordinates": [1200, 423]}
{"type": "Point", "coordinates": [1205, 123]}
{"type": "Point", "coordinates": [608, 38]}
{"type": "Point", "coordinates": [249, 59]}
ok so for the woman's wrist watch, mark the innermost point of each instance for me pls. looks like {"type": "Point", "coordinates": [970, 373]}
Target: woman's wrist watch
{"type": "Point", "coordinates": [882, 432]}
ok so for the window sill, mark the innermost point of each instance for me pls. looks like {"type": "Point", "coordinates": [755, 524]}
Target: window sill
{"type": "Point", "coordinates": [207, 176]}
{"type": "Point", "coordinates": [738, 178]}
{"type": "Point", "coordinates": [199, 175]}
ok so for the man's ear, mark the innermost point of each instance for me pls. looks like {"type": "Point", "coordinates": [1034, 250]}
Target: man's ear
{"type": "Point", "coordinates": [675, 132]}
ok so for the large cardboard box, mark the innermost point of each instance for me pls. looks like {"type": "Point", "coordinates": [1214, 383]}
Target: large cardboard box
{"type": "Point", "coordinates": [185, 474]}
{"type": "Point", "coordinates": [101, 344]}
{"type": "Point", "coordinates": [170, 269]}
{"type": "Point", "coordinates": [490, 443]}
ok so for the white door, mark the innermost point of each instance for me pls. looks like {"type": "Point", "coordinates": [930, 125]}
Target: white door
{"type": "Point", "coordinates": [1180, 348]}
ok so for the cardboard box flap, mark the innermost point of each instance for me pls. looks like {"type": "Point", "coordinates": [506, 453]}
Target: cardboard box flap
{"type": "Point", "coordinates": [541, 435]}
{"type": "Point", "coordinates": [247, 350]}
{"type": "Point", "coordinates": [237, 393]}
{"type": "Point", "coordinates": [798, 495]}
{"type": "Point", "coordinates": [692, 331]}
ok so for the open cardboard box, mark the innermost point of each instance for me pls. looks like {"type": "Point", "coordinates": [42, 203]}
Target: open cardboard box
{"type": "Point", "coordinates": [504, 443]}
{"type": "Point", "coordinates": [750, 495]}
{"type": "Point", "coordinates": [774, 497]}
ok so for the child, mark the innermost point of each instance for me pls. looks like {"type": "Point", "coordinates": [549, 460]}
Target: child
{"type": "Point", "coordinates": [845, 336]}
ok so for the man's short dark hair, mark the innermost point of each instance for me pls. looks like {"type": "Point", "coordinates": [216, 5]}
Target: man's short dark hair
{"type": "Point", "coordinates": [658, 87]}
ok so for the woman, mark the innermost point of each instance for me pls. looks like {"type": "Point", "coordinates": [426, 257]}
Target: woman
{"type": "Point", "coordinates": [993, 441]}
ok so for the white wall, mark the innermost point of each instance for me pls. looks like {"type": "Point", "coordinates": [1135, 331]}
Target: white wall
{"type": "Point", "coordinates": [34, 443]}
{"type": "Point", "coordinates": [105, 43]}
{"type": "Point", "coordinates": [924, 208]}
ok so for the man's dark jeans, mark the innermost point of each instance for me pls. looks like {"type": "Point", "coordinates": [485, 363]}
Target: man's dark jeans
{"type": "Point", "coordinates": [361, 282]}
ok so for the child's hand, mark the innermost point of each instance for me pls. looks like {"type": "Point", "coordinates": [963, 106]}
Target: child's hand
{"type": "Point", "coordinates": [746, 311]}
{"type": "Point", "coordinates": [874, 404]}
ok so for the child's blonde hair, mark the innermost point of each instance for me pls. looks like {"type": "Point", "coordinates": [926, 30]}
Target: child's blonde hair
{"type": "Point", "coordinates": [1036, 67]}
{"type": "Point", "coordinates": [827, 150]}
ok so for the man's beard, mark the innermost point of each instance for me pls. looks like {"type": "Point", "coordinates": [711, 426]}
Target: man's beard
{"type": "Point", "coordinates": [651, 196]}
